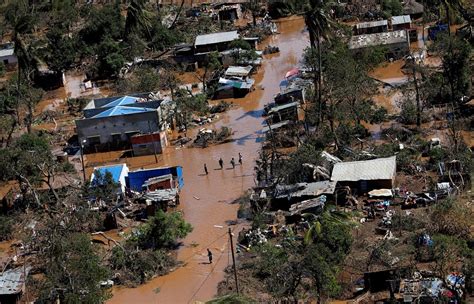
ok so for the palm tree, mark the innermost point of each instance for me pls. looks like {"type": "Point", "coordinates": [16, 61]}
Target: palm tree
{"type": "Point", "coordinates": [137, 17]}
{"type": "Point", "coordinates": [318, 24]}
{"type": "Point", "coordinates": [315, 226]}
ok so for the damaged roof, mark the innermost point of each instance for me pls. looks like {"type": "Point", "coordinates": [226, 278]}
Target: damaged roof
{"type": "Point", "coordinates": [387, 38]}
{"type": "Point", "coordinates": [12, 280]}
{"type": "Point", "coordinates": [305, 189]}
{"type": "Point", "coordinates": [375, 169]}
{"type": "Point", "coordinates": [401, 19]}
{"type": "Point", "coordinates": [216, 38]}
{"type": "Point", "coordinates": [370, 24]}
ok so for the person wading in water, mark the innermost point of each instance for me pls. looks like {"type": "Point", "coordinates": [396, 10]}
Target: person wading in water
{"type": "Point", "coordinates": [221, 163]}
{"type": "Point", "coordinates": [209, 255]}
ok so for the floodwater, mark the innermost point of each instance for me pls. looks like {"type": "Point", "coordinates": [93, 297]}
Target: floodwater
{"type": "Point", "coordinates": [206, 200]}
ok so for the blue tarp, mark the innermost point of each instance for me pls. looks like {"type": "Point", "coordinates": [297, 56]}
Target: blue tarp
{"type": "Point", "coordinates": [137, 178]}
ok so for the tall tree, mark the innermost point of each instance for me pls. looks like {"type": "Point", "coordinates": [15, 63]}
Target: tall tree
{"type": "Point", "coordinates": [319, 24]}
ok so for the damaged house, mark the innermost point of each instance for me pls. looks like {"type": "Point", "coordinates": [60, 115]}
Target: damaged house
{"type": "Point", "coordinates": [285, 196]}
{"type": "Point", "coordinates": [366, 175]}
{"type": "Point", "coordinates": [236, 82]}
{"type": "Point", "coordinates": [397, 43]}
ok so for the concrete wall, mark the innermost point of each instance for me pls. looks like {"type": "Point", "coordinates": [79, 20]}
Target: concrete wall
{"type": "Point", "coordinates": [105, 127]}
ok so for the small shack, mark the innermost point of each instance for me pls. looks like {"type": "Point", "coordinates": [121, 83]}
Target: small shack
{"type": "Point", "coordinates": [136, 179]}
{"type": "Point", "coordinates": [238, 71]}
{"type": "Point", "coordinates": [214, 42]}
{"type": "Point", "coordinates": [7, 55]}
{"type": "Point", "coordinates": [400, 22]}
{"type": "Point", "coordinates": [12, 284]}
{"type": "Point", "coordinates": [118, 173]}
{"type": "Point", "coordinates": [371, 27]}
{"type": "Point", "coordinates": [288, 111]}
{"type": "Point", "coordinates": [366, 175]}
{"type": "Point", "coordinates": [148, 144]}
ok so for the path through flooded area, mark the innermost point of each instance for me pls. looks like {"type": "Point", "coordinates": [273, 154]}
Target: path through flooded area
{"type": "Point", "coordinates": [207, 200]}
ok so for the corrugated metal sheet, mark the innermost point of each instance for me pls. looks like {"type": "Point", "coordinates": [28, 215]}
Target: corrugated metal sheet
{"type": "Point", "coordinates": [7, 52]}
{"type": "Point", "coordinates": [238, 71]}
{"type": "Point", "coordinates": [401, 19]}
{"type": "Point", "coordinates": [122, 110]}
{"type": "Point", "coordinates": [375, 169]}
{"type": "Point", "coordinates": [370, 24]}
{"type": "Point", "coordinates": [12, 280]}
{"type": "Point", "coordinates": [216, 38]}
{"type": "Point", "coordinates": [305, 189]}
{"type": "Point", "coordinates": [362, 41]}
{"type": "Point", "coordinates": [282, 107]}
{"type": "Point", "coordinates": [275, 126]}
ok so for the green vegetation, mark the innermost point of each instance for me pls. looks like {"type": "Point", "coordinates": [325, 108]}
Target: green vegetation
{"type": "Point", "coordinates": [72, 267]}
{"type": "Point", "coordinates": [6, 228]}
{"type": "Point", "coordinates": [144, 254]}
{"type": "Point", "coordinates": [294, 270]}
{"type": "Point", "coordinates": [391, 8]}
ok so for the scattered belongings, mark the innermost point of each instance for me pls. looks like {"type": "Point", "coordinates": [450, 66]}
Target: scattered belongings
{"type": "Point", "coordinates": [205, 137]}
{"type": "Point", "coordinates": [168, 197]}
{"type": "Point", "coordinates": [381, 193]}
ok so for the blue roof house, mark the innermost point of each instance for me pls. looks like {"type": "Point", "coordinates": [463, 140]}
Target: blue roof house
{"type": "Point", "coordinates": [110, 122]}
{"type": "Point", "coordinates": [119, 173]}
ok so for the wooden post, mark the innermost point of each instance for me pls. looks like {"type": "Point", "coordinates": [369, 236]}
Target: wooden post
{"type": "Point", "coordinates": [233, 261]}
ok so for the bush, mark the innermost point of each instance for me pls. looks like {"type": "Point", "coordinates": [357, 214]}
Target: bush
{"type": "Point", "coordinates": [138, 266]}
{"type": "Point", "coordinates": [6, 228]}
{"type": "Point", "coordinates": [163, 230]}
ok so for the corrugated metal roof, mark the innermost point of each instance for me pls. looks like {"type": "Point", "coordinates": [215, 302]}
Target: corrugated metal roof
{"type": "Point", "coordinates": [121, 101]}
{"type": "Point", "coordinates": [282, 107]}
{"type": "Point", "coordinates": [216, 38]}
{"type": "Point", "coordinates": [275, 126]}
{"type": "Point", "coordinates": [115, 170]}
{"type": "Point", "coordinates": [12, 280]}
{"type": "Point", "coordinates": [238, 71]}
{"type": "Point", "coordinates": [7, 52]}
{"type": "Point", "coordinates": [370, 24]}
{"type": "Point", "coordinates": [122, 110]}
{"type": "Point", "coordinates": [239, 84]}
{"type": "Point", "coordinates": [375, 169]}
{"type": "Point", "coordinates": [305, 189]}
{"type": "Point", "coordinates": [362, 41]}
{"type": "Point", "coordinates": [401, 19]}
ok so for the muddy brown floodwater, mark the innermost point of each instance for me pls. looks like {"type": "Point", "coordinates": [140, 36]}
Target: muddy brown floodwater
{"type": "Point", "coordinates": [206, 200]}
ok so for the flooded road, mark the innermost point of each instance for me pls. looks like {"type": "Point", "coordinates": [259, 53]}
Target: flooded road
{"type": "Point", "coordinates": [206, 200]}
